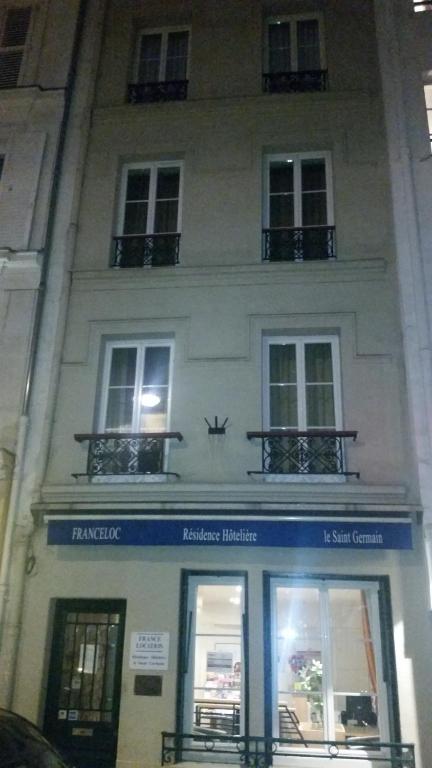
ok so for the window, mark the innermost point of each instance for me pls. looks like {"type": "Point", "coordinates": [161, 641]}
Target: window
{"type": "Point", "coordinates": [15, 24]}
{"type": "Point", "coordinates": [149, 220]}
{"type": "Point", "coordinates": [302, 407]}
{"type": "Point", "coordinates": [161, 70]}
{"type": "Point", "coordinates": [136, 387]}
{"type": "Point", "coordinates": [303, 383]}
{"type": "Point", "coordinates": [326, 663]}
{"type": "Point", "coordinates": [298, 212]}
{"type": "Point", "coordinates": [215, 665]}
{"type": "Point", "coordinates": [294, 56]}
{"type": "Point", "coordinates": [428, 102]}
{"type": "Point", "coordinates": [134, 410]}
{"type": "Point", "coordinates": [422, 5]}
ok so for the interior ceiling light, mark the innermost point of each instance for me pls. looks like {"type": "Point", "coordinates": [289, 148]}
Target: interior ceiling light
{"type": "Point", "coordinates": [149, 399]}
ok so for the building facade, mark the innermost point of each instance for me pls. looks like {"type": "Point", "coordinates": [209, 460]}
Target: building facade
{"type": "Point", "coordinates": [223, 461]}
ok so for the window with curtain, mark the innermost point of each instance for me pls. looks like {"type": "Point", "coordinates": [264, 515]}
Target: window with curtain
{"type": "Point", "coordinates": [326, 662]}
{"type": "Point", "coordinates": [163, 56]}
{"type": "Point", "coordinates": [298, 191]}
{"type": "Point", "coordinates": [15, 24]}
{"type": "Point", "coordinates": [294, 45]}
{"type": "Point", "coordinates": [150, 198]}
{"type": "Point", "coordinates": [298, 222]}
{"type": "Point", "coordinates": [302, 389]}
{"type": "Point", "coordinates": [135, 396]}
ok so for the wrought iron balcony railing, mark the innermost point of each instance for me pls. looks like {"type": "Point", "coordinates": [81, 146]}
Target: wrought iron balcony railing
{"type": "Point", "coordinates": [132, 453]}
{"type": "Point", "coordinates": [307, 81]}
{"type": "Point", "coordinates": [260, 751]}
{"type": "Point", "coordinates": [147, 93]}
{"type": "Point", "coordinates": [312, 452]}
{"type": "Point", "coordinates": [299, 244]}
{"type": "Point", "coordinates": [161, 250]}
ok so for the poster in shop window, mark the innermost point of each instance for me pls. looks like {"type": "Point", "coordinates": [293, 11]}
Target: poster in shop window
{"type": "Point", "coordinates": [149, 650]}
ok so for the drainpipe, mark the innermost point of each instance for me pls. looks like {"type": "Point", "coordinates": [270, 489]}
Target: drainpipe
{"type": "Point", "coordinates": [17, 536]}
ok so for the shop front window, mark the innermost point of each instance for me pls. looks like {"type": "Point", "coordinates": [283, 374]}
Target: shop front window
{"type": "Point", "coordinates": [214, 679]}
{"type": "Point", "coordinates": [326, 663]}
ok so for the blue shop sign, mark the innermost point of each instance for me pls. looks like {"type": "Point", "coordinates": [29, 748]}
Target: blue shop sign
{"type": "Point", "coordinates": [247, 532]}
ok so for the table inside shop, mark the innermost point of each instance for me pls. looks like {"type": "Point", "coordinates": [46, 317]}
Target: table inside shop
{"type": "Point", "coordinates": [218, 714]}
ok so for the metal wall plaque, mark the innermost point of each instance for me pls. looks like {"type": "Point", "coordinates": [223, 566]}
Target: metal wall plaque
{"type": "Point", "coordinates": [148, 685]}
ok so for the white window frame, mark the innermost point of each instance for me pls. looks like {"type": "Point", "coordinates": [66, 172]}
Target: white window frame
{"type": "Point", "coordinates": [17, 48]}
{"type": "Point", "coordinates": [153, 167]}
{"type": "Point", "coordinates": [324, 585]}
{"type": "Point", "coordinates": [165, 32]}
{"type": "Point", "coordinates": [293, 19]}
{"type": "Point", "coordinates": [188, 691]}
{"type": "Point", "coordinates": [300, 342]}
{"type": "Point", "coordinates": [296, 158]}
{"type": "Point", "coordinates": [141, 345]}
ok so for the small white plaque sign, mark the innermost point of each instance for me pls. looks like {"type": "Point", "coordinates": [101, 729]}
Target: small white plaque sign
{"type": "Point", "coordinates": [149, 650]}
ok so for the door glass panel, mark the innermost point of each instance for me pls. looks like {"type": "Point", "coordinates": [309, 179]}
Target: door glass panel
{"type": "Point", "coordinates": [308, 45]}
{"type": "Point", "coordinates": [218, 662]}
{"type": "Point", "coordinates": [137, 201]}
{"type": "Point", "coordinates": [281, 194]}
{"type": "Point", "coordinates": [88, 666]}
{"type": "Point", "coordinates": [299, 665]}
{"type": "Point", "coordinates": [279, 47]}
{"type": "Point", "coordinates": [150, 53]}
{"type": "Point", "coordinates": [154, 390]}
{"type": "Point", "coordinates": [177, 51]}
{"type": "Point", "coordinates": [167, 194]}
{"type": "Point", "coordinates": [327, 680]}
{"type": "Point", "coordinates": [354, 662]}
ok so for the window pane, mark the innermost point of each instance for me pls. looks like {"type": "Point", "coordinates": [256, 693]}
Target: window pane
{"type": "Point", "coordinates": [281, 211]}
{"type": "Point", "coordinates": [354, 661]}
{"type": "Point", "coordinates": [176, 63]}
{"type": "Point", "coordinates": [313, 174]}
{"type": "Point", "coordinates": [119, 410]}
{"type": "Point", "coordinates": [314, 205]}
{"type": "Point", "coordinates": [123, 365]}
{"type": "Point", "coordinates": [299, 662]}
{"type": "Point", "coordinates": [320, 406]}
{"type": "Point", "coordinates": [308, 47]}
{"type": "Point", "coordinates": [168, 183]}
{"type": "Point", "coordinates": [218, 660]}
{"type": "Point", "coordinates": [319, 367]}
{"type": "Point", "coordinates": [135, 219]}
{"type": "Point", "coordinates": [153, 408]}
{"type": "Point", "coordinates": [283, 406]}
{"type": "Point", "coordinates": [148, 70]}
{"type": "Point", "coordinates": [281, 177]}
{"type": "Point", "coordinates": [156, 365]}
{"type": "Point", "coordinates": [279, 47]}
{"type": "Point", "coordinates": [283, 363]}
{"type": "Point", "coordinates": [138, 184]}
{"type": "Point", "coordinates": [166, 216]}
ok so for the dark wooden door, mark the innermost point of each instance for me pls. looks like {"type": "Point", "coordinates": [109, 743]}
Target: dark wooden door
{"type": "Point", "coordinates": [83, 696]}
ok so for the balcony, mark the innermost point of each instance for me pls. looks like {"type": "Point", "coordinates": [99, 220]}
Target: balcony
{"type": "Point", "coordinates": [299, 244]}
{"type": "Point", "coordinates": [149, 93]}
{"type": "Point", "coordinates": [306, 81]}
{"type": "Point", "coordinates": [161, 250]}
{"type": "Point", "coordinates": [130, 453]}
{"type": "Point", "coordinates": [263, 751]}
{"type": "Point", "coordinates": [292, 452]}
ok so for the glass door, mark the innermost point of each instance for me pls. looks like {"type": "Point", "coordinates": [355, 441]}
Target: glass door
{"type": "Point", "coordinates": [214, 677]}
{"type": "Point", "coordinates": [326, 664]}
